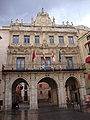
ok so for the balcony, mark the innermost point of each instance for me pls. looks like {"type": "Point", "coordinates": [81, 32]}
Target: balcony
{"type": "Point", "coordinates": [43, 68]}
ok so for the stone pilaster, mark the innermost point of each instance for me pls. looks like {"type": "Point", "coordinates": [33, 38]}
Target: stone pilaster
{"type": "Point", "coordinates": [82, 93]}
{"type": "Point", "coordinates": [8, 98]}
{"type": "Point", "coordinates": [54, 97]}
{"type": "Point", "coordinates": [33, 96]}
{"type": "Point", "coordinates": [59, 97]}
{"type": "Point", "coordinates": [82, 90]}
{"type": "Point", "coordinates": [62, 95]}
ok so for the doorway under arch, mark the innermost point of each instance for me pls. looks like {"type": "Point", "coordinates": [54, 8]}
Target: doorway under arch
{"type": "Point", "coordinates": [47, 92]}
{"type": "Point", "coordinates": [20, 93]}
{"type": "Point", "coordinates": [72, 90]}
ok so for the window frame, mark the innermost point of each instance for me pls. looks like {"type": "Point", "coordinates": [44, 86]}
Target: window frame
{"type": "Point", "coordinates": [46, 65]}
{"type": "Point", "coordinates": [15, 39]}
{"type": "Point", "coordinates": [88, 49]}
{"type": "Point", "coordinates": [70, 40]}
{"type": "Point", "coordinates": [88, 37]}
{"type": "Point", "coordinates": [61, 39]}
{"type": "Point", "coordinates": [37, 39]}
{"type": "Point", "coordinates": [51, 39]}
{"type": "Point", "coordinates": [19, 65]}
{"type": "Point", "coordinates": [69, 63]}
{"type": "Point", "coordinates": [26, 39]}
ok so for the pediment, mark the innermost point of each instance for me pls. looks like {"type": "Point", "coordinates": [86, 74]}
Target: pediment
{"type": "Point", "coordinates": [42, 19]}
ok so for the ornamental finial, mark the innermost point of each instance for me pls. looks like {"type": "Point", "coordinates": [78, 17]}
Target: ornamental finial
{"type": "Point", "coordinates": [42, 10]}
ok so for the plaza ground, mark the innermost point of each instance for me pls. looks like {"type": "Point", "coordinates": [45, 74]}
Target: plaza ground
{"type": "Point", "coordinates": [45, 113]}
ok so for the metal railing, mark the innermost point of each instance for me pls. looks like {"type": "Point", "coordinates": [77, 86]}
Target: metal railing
{"type": "Point", "coordinates": [32, 66]}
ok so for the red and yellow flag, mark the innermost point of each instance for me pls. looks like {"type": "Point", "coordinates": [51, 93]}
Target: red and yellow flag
{"type": "Point", "coordinates": [44, 59]}
{"type": "Point", "coordinates": [53, 56]}
{"type": "Point", "coordinates": [33, 55]}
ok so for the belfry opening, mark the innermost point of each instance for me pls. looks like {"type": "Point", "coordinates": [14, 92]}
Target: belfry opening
{"type": "Point", "coordinates": [47, 92]}
{"type": "Point", "coordinates": [20, 94]}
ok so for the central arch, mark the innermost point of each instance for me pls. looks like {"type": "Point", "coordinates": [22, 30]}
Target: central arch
{"type": "Point", "coordinates": [20, 93]}
{"type": "Point", "coordinates": [47, 92]}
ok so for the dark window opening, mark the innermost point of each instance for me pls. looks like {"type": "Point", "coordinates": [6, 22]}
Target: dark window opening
{"type": "Point", "coordinates": [20, 63]}
{"type": "Point", "coordinates": [51, 38]}
{"type": "Point", "coordinates": [37, 39]}
{"type": "Point", "coordinates": [16, 39]}
{"type": "Point", "coordinates": [26, 39]}
{"type": "Point", "coordinates": [70, 40]}
{"type": "Point", "coordinates": [61, 39]}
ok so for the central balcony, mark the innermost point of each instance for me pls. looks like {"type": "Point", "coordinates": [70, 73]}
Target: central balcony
{"type": "Point", "coordinates": [42, 68]}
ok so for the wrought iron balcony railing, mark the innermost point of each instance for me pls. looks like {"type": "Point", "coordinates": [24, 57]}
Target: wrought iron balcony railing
{"type": "Point", "coordinates": [39, 67]}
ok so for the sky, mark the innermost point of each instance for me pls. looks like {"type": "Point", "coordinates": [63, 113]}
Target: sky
{"type": "Point", "coordinates": [76, 11]}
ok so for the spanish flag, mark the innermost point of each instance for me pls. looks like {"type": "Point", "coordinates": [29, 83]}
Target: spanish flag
{"type": "Point", "coordinates": [44, 59]}
{"type": "Point", "coordinates": [33, 55]}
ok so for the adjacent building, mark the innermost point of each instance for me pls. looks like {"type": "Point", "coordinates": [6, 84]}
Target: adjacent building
{"type": "Point", "coordinates": [84, 41]}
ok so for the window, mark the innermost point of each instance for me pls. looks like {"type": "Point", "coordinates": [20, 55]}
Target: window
{"type": "Point", "coordinates": [16, 39]}
{"type": "Point", "coordinates": [46, 64]}
{"type": "Point", "coordinates": [0, 81]}
{"type": "Point", "coordinates": [36, 39]}
{"type": "Point", "coordinates": [40, 85]}
{"type": "Point", "coordinates": [88, 37]}
{"type": "Point", "coordinates": [89, 49]}
{"type": "Point", "coordinates": [51, 38]}
{"type": "Point", "coordinates": [61, 39]}
{"type": "Point", "coordinates": [70, 40]}
{"type": "Point", "coordinates": [26, 39]}
{"type": "Point", "coordinates": [20, 63]}
{"type": "Point", "coordinates": [40, 92]}
{"type": "Point", "coordinates": [69, 61]}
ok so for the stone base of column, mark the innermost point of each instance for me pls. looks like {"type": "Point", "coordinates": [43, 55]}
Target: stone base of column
{"type": "Point", "coordinates": [33, 107]}
{"type": "Point", "coordinates": [63, 106]}
{"type": "Point", "coordinates": [7, 108]}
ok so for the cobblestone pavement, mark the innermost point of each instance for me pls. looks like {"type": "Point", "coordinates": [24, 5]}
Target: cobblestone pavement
{"type": "Point", "coordinates": [45, 113]}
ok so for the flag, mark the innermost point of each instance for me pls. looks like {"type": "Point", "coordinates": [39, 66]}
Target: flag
{"type": "Point", "coordinates": [53, 56]}
{"type": "Point", "coordinates": [33, 55]}
{"type": "Point", "coordinates": [44, 59]}
{"type": "Point", "coordinates": [59, 56]}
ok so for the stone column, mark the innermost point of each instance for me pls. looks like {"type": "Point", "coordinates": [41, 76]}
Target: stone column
{"type": "Point", "coordinates": [8, 97]}
{"type": "Point", "coordinates": [59, 97]}
{"type": "Point", "coordinates": [33, 95]}
{"type": "Point", "coordinates": [82, 90]}
{"type": "Point", "coordinates": [62, 94]}
{"type": "Point", "coordinates": [54, 96]}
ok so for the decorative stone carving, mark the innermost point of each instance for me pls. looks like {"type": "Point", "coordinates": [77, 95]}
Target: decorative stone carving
{"type": "Point", "coordinates": [70, 50]}
{"type": "Point", "coordinates": [44, 45]}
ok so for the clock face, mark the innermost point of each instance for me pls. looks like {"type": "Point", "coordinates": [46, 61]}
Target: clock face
{"type": "Point", "coordinates": [43, 20]}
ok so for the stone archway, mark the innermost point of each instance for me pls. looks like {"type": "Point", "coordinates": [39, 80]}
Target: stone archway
{"type": "Point", "coordinates": [47, 92]}
{"type": "Point", "coordinates": [72, 90]}
{"type": "Point", "coordinates": [20, 93]}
